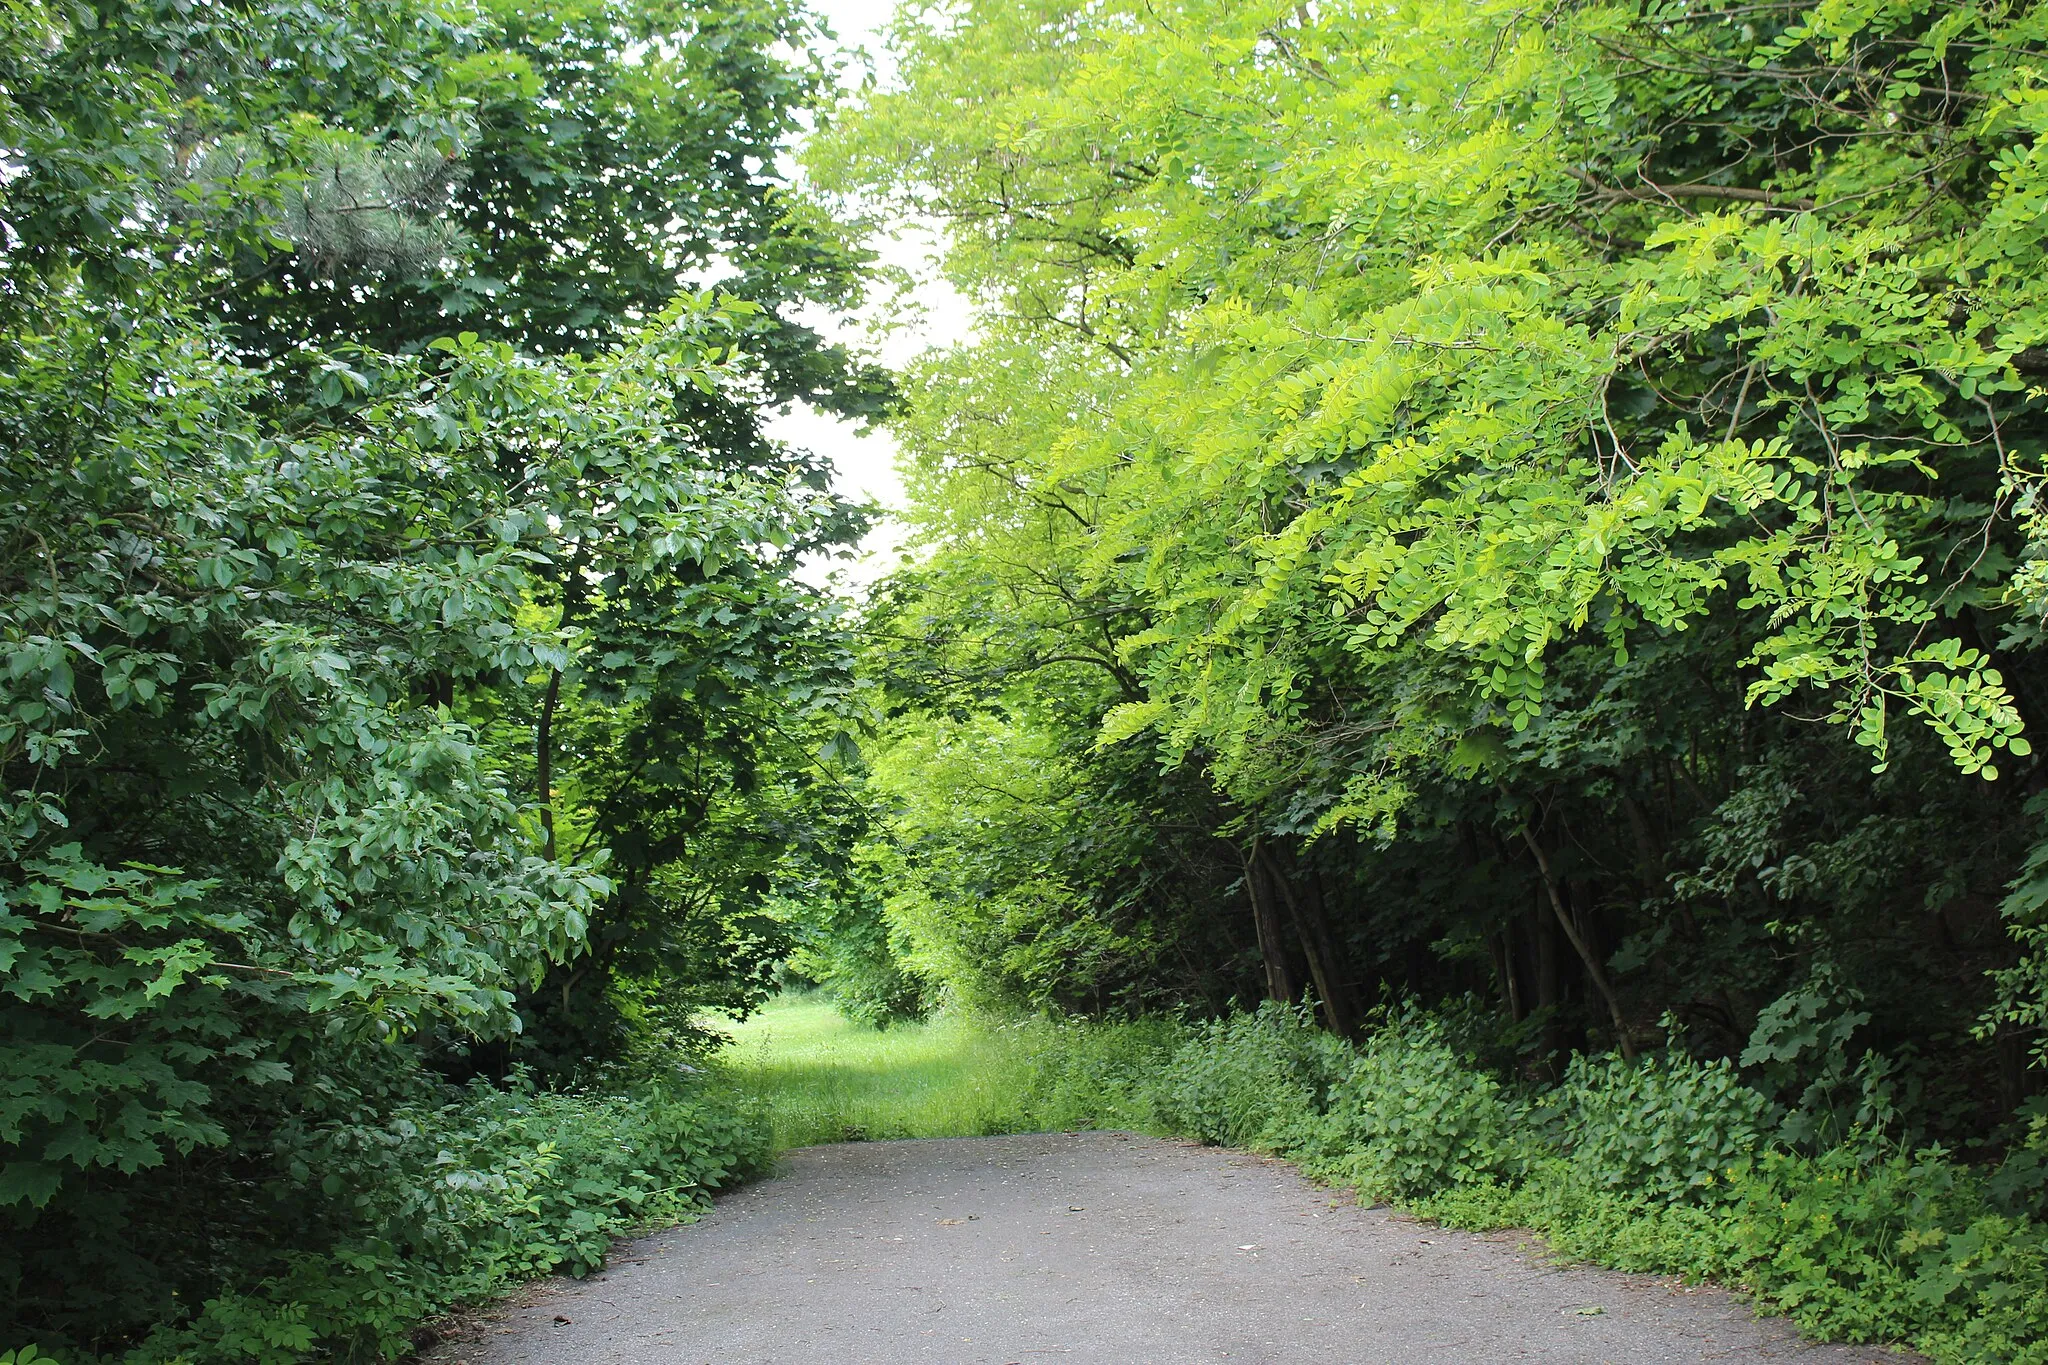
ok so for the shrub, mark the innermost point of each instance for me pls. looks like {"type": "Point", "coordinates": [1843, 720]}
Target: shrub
{"type": "Point", "coordinates": [1101, 1075]}
{"type": "Point", "coordinates": [1256, 1080]}
{"type": "Point", "coordinates": [1904, 1246]}
{"type": "Point", "coordinates": [1412, 1116]}
{"type": "Point", "coordinates": [449, 1204]}
{"type": "Point", "coordinates": [1669, 1129]}
{"type": "Point", "coordinates": [1581, 1222]}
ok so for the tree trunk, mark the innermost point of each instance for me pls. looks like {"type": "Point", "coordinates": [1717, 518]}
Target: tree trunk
{"type": "Point", "coordinates": [1312, 927]}
{"type": "Point", "coordinates": [2017, 1079]}
{"type": "Point", "coordinates": [1649, 858]}
{"type": "Point", "coordinates": [1266, 920]}
{"type": "Point", "coordinates": [1502, 947]}
{"type": "Point", "coordinates": [1549, 983]}
{"type": "Point", "coordinates": [1571, 932]}
{"type": "Point", "coordinates": [544, 762]}
{"type": "Point", "coordinates": [544, 737]}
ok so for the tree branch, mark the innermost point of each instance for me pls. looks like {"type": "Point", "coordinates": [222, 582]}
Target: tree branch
{"type": "Point", "coordinates": [1652, 190]}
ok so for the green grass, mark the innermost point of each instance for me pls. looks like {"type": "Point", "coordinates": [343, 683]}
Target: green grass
{"type": "Point", "coordinates": [825, 1078]}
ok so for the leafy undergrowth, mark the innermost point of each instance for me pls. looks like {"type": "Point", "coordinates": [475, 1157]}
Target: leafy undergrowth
{"type": "Point", "coordinates": [443, 1206]}
{"type": "Point", "coordinates": [446, 1206]}
{"type": "Point", "coordinates": [825, 1078]}
{"type": "Point", "coordinates": [1672, 1166]}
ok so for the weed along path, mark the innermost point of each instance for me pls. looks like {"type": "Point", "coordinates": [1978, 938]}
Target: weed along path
{"type": "Point", "coordinates": [1099, 1247]}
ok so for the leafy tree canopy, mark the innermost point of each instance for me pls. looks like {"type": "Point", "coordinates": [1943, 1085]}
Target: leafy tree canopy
{"type": "Point", "coordinates": [1565, 482]}
{"type": "Point", "coordinates": [405, 666]}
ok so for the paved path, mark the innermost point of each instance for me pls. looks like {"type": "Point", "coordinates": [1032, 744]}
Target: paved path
{"type": "Point", "coordinates": [1098, 1247]}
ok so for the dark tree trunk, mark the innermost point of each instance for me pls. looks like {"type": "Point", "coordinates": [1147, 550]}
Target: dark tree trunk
{"type": "Point", "coordinates": [1549, 986]}
{"type": "Point", "coordinates": [1280, 983]}
{"type": "Point", "coordinates": [1594, 971]}
{"type": "Point", "coordinates": [1312, 927]}
{"type": "Point", "coordinates": [1547, 995]}
{"type": "Point", "coordinates": [1502, 948]}
{"type": "Point", "coordinates": [1649, 857]}
{"type": "Point", "coordinates": [544, 734]}
{"type": "Point", "coordinates": [2017, 1078]}
{"type": "Point", "coordinates": [544, 762]}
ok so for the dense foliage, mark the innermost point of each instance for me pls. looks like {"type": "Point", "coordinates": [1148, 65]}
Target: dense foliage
{"type": "Point", "coordinates": [1538, 510]}
{"type": "Point", "coordinates": [1455, 498]}
{"type": "Point", "coordinates": [405, 669]}
{"type": "Point", "coordinates": [443, 1204]}
{"type": "Point", "coordinates": [1672, 1166]}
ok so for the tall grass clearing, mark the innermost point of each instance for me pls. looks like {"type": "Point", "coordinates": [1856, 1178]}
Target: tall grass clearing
{"type": "Point", "coordinates": [825, 1078]}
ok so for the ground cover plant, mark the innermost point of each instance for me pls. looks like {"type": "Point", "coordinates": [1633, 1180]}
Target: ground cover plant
{"type": "Point", "coordinates": [443, 1206]}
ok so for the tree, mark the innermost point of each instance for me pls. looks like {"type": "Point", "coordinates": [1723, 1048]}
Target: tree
{"type": "Point", "coordinates": [1493, 440]}
{"type": "Point", "coordinates": [304, 588]}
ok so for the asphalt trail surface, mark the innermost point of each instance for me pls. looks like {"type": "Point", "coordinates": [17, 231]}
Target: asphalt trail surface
{"type": "Point", "coordinates": [1101, 1247]}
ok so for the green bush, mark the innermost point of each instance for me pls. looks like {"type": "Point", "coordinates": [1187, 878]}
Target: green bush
{"type": "Point", "coordinates": [1583, 1223]}
{"type": "Point", "coordinates": [1906, 1246]}
{"type": "Point", "coordinates": [1413, 1116]}
{"type": "Point", "coordinates": [1258, 1080]}
{"type": "Point", "coordinates": [453, 1202]}
{"type": "Point", "coordinates": [1669, 1129]}
{"type": "Point", "coordinates": [1101, 1075]}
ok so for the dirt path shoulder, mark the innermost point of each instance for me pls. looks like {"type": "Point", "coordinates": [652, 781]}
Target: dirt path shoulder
{"type": "Point", "coordinates": [1099, 1247]}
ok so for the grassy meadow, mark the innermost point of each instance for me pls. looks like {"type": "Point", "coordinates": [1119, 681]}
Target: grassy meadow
{"type": "Point", "coordinates": [826, 1078]}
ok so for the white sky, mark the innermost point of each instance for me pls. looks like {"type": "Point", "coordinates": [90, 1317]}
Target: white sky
{"type": "Point", "coordinates": [865, 465]}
